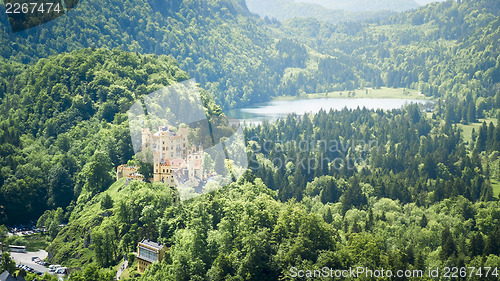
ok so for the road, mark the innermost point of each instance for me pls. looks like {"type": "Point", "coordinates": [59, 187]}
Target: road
{"type": "Point", "coordinates": [121, 270]}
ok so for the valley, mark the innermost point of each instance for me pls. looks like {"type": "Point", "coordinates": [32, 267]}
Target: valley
{"type": "Point", "coordinates": [415, 95]}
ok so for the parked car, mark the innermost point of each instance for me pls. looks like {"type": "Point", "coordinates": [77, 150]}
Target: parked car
{"type": "Point", "coordinates": [61, 270]}
{"type": "Point", "coordinates": [54, 267]}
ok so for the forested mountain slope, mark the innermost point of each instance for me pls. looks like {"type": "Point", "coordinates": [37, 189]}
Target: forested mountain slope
{"type": "Point", "coordinates": [42, 102]}
{"type": "Point", "coordinates": [423, 198]}
{"type": "Point", "coordinates": [221, 45]}
{"type": "Point", "coordinates": [242, 60]}
{"type": "Point", "coordinates": [63, 121]}
{"type": "Point", "coordinates": [447, 49]}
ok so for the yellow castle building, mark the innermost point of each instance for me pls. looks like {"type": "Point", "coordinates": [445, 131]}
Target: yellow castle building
{"type": "Point", "coordinates": [175, 161]}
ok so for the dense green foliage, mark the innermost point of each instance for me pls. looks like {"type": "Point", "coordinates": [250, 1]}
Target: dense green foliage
{"type": "Point", "coordinates": [447, 49]}
{"type": "Point", "coordinates": [103, 235]}
{"type": "Point", "coordinates": [398, 189]}
{"type": "Point", "coordinates": [243, 232]}
{"type": "Point", "coordinates": [63, 125]}
{"type": "Point", "coordinates": [231, 53]}
{"type": "Point", "coordinates": [431, 48]}
{"type": "Point", "coordinates": [405, 156]}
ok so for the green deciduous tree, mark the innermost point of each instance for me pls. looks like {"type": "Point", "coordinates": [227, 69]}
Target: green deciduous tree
{"type": "Point", "coordinates": [97, 173]}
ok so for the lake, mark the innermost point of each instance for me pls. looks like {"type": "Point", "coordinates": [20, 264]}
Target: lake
{"type": "Point", "coordinates": [276, 109]}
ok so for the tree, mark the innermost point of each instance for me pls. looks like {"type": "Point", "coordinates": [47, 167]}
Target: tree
{"type": "Point", "coordinates": [448, 247]}
{"type": "Point", "coordinates": [493, 243]}
{"type": "Point", "coordinates": [476, 245]}
{"type": "Point", "coordinates": [102, 248]}
{"type": "Point", "coordinates": [423, 221]}
{"type": "Point", "coordinates": [145, 161]}
{"type": "Point", "coordinates": [93, 273]}
{"type": "Point", "coordinates": [353, 196]}
{"type": "Point", "coordinates": [3, 235]}
{"type": "Point", "coordinates": [106, 202]}
{"type": "Point", "coordinates": [97, 173]}
{"type": "Point", "coordinates": [328, 216]}
{"type": "Point", "coordinates": [60, 186]}
{"type": "Point", "coordinates": [7, 263]}
{"type": "Point", "coordinates": [330, 192]}
{"type": "Point", "coordinates": [53, 229]}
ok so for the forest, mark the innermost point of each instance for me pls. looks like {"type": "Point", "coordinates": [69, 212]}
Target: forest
{"type": "Point", "coordinates": [401, 189]}
{"type": "Point", "coordinates": [439, 49]}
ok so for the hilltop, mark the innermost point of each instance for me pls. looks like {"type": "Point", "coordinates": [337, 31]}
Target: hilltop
{"type": "Point", "coordinates": [63, 121]}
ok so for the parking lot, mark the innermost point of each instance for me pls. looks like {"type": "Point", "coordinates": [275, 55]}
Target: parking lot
{"type": "Point", "coordinates": [26, 259]}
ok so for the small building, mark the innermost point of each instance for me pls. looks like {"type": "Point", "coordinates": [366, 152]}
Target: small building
{"type": "Point", "coordinates": [17, 249]}
{"type": "Point", "coordinates": [163, 172]}
{"type": "Point", "coordinates": [148, 252]}
{"type": "Point", "coordinates": [125, 170]}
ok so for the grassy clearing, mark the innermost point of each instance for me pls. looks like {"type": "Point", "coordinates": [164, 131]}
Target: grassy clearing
{"type": "Point", "coordinates": [467, 129]}
{"type": "Point", "coordinates": [495, 184]}
{"type": "Point", "coordinates": [367, 93]}
{"type": "Point", "coordinates": [36, 242]}
{"type": "Point", "coordinates": [69, 247]}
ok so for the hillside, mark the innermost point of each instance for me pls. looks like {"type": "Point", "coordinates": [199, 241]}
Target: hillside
{"type": "Point", "coordinates": [46, 105]}
{"type": "Point", "coordinates": [101, 234]}
{"type": "Point", "coordinates": [443, 49]}
{"type": "Point", "coordinates": [242, 59]}
{"type": "Point", "coordinates": [64, 113]}
{"type": "Point", "coordinates": [219, 43]}
{"type": "Point", "coordinates": [410, 188]}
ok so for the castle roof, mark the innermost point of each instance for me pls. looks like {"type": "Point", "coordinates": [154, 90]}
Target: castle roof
{"type": "Point", "coordinates": [151, 244]}
{"type": "Point", "coordinates": [165, 162]}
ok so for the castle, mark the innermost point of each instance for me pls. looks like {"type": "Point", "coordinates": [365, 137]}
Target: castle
{"type": "Point", "coordinates": [174, 159]}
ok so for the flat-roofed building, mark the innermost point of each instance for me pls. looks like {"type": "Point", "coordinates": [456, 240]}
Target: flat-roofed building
{"type": "Point", "coordinates": [148, 252]}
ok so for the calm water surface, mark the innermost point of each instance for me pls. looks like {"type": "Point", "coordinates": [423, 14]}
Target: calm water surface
{"type": "Point", "coordinates": [276, 109]}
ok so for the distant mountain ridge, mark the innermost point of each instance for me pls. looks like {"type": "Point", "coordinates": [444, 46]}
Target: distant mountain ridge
{"type": "Point", "coordinates": [332, 11]}
{"type": "Point", "coordinates": [365, 5]}
{"type": "Point", "coordinates": [289, 9]}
